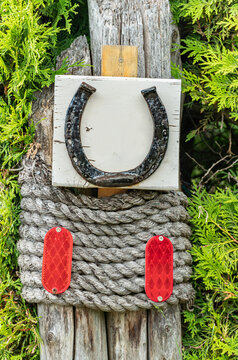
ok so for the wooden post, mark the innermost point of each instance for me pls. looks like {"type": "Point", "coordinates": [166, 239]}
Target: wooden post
{"type": "Point", "coordinates": [127, 332]}
{"type": "Point", "coordinates": [148, 25]}
{"type": "Point", "coordinates": [57, 332]}
{"type": "Point", "coordinates": [90, 335]}
{"type": "Point", "coordinates": [164, 334]}
{"type": "Point", "coordinates": [58, 329]}
{"type": "Point", "coordinates": [127, 335]}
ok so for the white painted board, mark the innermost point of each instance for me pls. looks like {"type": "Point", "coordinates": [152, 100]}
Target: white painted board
{"type": "Point", "coordinates": [117, 129]}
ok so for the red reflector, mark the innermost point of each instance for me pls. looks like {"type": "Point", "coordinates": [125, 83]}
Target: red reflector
{"type": "Point", "coordinates": [57, 260]}
{"type": "Point", "coordinates": [159, 268]}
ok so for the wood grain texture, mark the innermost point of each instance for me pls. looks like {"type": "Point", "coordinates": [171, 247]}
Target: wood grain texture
{"type": "Point", "coordinates": [78, 51]}
{"type": "Point", "coordinates": [127, 335]}
{"type": "Point", "coordinates": [143, 23]}
{"type": "Point", "coordinates": [119, 60]}
{"type": "Point", "coordinates": [57, 332]}
{"type": "Point", "coordinates": [164, 334]}
{"type": "Point", "coordinates": [90, 335]}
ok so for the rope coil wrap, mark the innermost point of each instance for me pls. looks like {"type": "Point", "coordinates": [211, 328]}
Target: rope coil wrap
{"type": "Point", "coordinates": [110, 235]}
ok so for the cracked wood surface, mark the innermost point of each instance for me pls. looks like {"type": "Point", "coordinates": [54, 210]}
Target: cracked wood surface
{"type": "Point", "coordinates": [90, 335]}
{"type": "Point", "coordinates": [57, 332]}
{"type": "Point", "coordinates": [143, 23]}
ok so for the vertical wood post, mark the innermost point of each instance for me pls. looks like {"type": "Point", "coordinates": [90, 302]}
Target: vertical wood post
{"type": "Point", "coordinates": [164, 334]}
{"type": "Point", "coordinates": [127, 335]}
{"type": "Point", "coordinates": [148, 25]}
{"type": "Point", "coordinates": [90, 335]}
{"type": "Point", "coordinates": [56, 322]}
{"type": "Point", "coordinates": [57, 332]}
{"type": "Point", "coordinates": [127, 332]}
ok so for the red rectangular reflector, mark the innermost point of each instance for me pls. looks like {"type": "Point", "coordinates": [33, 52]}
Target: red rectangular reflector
{"type": "Point", "coordinates": [57, 260]}
{"type": "Point", "coordinates": [159, 268]}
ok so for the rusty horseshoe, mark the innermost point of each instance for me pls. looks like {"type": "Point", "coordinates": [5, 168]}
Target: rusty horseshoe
{"type": "Point", "coordinates": [115, 179]}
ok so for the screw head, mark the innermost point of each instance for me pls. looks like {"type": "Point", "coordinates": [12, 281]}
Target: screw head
{"type": "Point", "coordinates": [54, 291]}
{"type": "Point", "coordinates": [58, 229]}
{"type": "Point", "coordinates": [161, 238]}
{"type": "Point", "coordinates": [160, 298]}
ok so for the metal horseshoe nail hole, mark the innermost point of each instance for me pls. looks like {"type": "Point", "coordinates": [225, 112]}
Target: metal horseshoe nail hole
{"type": "Point", "coordinates": [115, 179]}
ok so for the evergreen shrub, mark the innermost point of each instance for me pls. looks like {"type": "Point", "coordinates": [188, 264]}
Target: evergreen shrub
{"type": "Point", "coordinates": [211, 331]}
{"type": "Point", "coordinates": [210, 80]}
{"type": "Point", "coordinates": [210, 68]}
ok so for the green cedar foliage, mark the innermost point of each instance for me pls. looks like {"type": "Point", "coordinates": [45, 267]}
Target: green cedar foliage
{"type": "Point", "coordinates": [30, 31]}
{"type": "Point", "coordinates": [213, 48]}
{"type": "Point", "coordinates": [212, 327]}
{"type": "Point", "coordinates": [210, 80]}
{"type": "Point", "coordinates": [210, 69]}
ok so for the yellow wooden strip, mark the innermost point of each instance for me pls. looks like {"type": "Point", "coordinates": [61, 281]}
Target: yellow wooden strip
{"type": "Point", "coordinates": [105, 192]}
{"type": "Point", "coordinates": [118, 61]}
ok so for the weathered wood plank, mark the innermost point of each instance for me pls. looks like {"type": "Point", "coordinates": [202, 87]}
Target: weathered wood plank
{"type": "Point", "coordinates": [145, 23]}
{"type": "Point", "coordinates": [164, 334]}
{"type": "Point", "coordinates": [57, 332]}
{"type": "Point", "coordinates": [90, 335]}
{"type": "Point", "coordinates": [127, 335]}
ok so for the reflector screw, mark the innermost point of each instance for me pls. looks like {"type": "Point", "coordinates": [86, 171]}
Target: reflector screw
{"type": "Point", "coordinates": [58, 229]}
{"type": "Point", "coordinates": [161, 238]}
{"type": "Point", "coordinates": [160, 298]}
{"type": "Point", "coordinates": [54, 291]}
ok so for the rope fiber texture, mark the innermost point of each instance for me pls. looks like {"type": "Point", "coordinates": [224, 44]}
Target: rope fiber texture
{"type": "Point", "coordinates": [110, 235]}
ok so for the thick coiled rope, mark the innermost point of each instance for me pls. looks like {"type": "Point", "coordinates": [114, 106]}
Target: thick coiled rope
{"type": "Point", "coordinates": [110, 235]}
